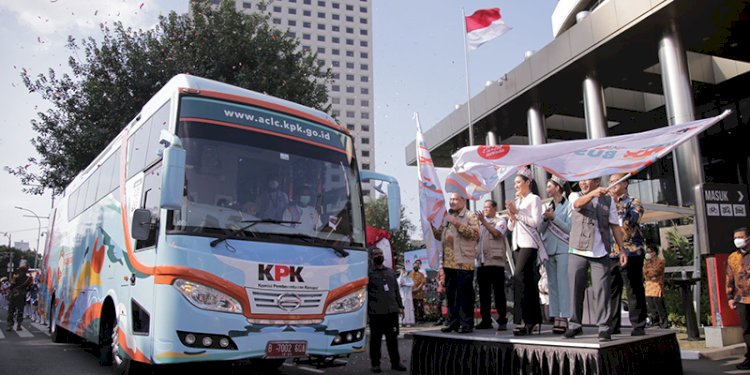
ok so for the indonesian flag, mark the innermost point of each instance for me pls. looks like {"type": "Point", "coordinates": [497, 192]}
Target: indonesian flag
{"type": "Point", "coordinates": [431, 199]}
{"type": "Point", "coordinates": [483, 26]}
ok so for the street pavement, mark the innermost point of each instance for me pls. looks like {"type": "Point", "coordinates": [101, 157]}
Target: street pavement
{"type": "Point", "coordinates": [31, 352]}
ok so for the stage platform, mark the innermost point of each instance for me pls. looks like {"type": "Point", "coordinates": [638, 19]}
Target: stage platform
{"type": "Point", "coordinates": [499, 352]}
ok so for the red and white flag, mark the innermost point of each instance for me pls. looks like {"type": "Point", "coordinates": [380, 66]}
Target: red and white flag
{"type": "Point", "coordinates": [483, 26]}
{"type": "Point", "coordinates": [431, 199]}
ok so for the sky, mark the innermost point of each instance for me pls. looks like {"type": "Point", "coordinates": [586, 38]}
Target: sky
{"type": "Point", "coordinates": [418, 54]}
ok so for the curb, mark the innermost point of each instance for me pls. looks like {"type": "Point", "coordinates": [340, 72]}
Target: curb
{"type": "Point", "coordinates": [731, 351]}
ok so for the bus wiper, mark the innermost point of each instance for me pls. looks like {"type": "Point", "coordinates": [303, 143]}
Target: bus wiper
{"type": "Point", "coordinates": [316, 240]}
{"type": "Point", "coordinates": [250, 224]}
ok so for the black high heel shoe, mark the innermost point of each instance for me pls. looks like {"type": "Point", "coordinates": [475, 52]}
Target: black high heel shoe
{"type": "Point", "coordinates": [527, 329]}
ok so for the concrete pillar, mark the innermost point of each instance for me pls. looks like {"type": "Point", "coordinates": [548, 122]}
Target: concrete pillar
{"type": "Point", "coordinates": [537, 136]}
{"type": "Point", "coordinates": [498, 194]}
{"type": "Point", "coordinates": [594, 108]}
{"type": "Point", "coordinates": [678, 94]}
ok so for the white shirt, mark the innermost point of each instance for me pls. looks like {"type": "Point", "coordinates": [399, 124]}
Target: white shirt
{"type": "Point", "coordinates": [599, 249]}
{"type": "Point", "coordinates": [500, 225]}
{"type": "Point", "coordinates": [307, 216]}
{"type": "Point", "coordinates": [529, 213]}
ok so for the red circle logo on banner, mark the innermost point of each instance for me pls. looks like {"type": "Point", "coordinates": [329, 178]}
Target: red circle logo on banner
{"type": "Point", "coordinates": [493, 152]}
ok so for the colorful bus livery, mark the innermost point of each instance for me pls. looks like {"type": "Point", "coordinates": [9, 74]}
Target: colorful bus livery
{"type": "Point", "coordinates": [220, 224]}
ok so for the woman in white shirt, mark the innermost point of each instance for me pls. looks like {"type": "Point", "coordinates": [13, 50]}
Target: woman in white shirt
{"type": "Point", "coordinates": [406, 283]}
{"type": "Point", "coordinates": [525, 216]}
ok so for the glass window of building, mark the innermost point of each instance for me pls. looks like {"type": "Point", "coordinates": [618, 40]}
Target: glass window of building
{"type": "Point", "coordinates": [306, 2]}
{"type": "Point", "coordinates": [365, 115]}
{"type": "Point", "coordinates": [321, 50]}
{"type": "Point", "coordinates": [350, 126]}
{"type": "Point", "coordinates": [366, 166]}
{"type": "Point", "coordinates": [335, 88]}
{"type": "Point", "coordinates": [335, 28]}
{"type": "Point", "coordinates": [306, 13]}
{"type": "Point", "coordinates": [349, 19]}
{"type": "Point", "coordinates": [336, 64]}
{"type": "Point", "coordinates": [349, 101]}
{"type": "Point", "coordinates": [365, 141]}
{"type": "Point", "coordinates": [335, 76]}
{"type": "Point", "coordinates": [366, 128]}
{"type": "Point", "coordinates": [336, 52]}
{"type": "Point", "coordinates": [350, 42]}
{"type": "Point", "coordinates": [292, 10]}
{"type": "Point", "coordinates": [364, 103]}
{"type": "Point", "coordinates": [336, 5]}
{"type": "Point", "coordinates": [364, 91]}
{"type": "Point", "coordinates": [292, 23]}
{"type": "Point", "coordinates": [363, 43]}
{"type": "Point", "coordinates": [262, 6]}
{"type": "Point", "coordinates": [349, 53]}
{"type": "Point", "coordinates": [363, 21]}
{"type": "Point", "coordinates": [306, 36]}
{"type": "Point", "coordinates": [350, 65]}
{"type": "Point", "coordinates": [350, 114]}
{"type": "Point", "coordinates": [363, 32]}
{"type": "Point", "coordinates": [277, 21]}
{"type": "Point", "coordinates": [321, 38]}
{"type": "Point", "coordinates": [321, 3]}
{"type": "Point", "coordinates": [336, 100]}
{"type": "Point", "coordinates": [292, 34]}
{"type": "Point", "coordinates": [335, 39]}
{"type": "Point", "coordinates": [350, 89]}
{"type": "Point", "coordinates": [365, 153]}
{"type": "Point", "coordinates": [335, 17]}
{"type": "Point", "coordinates": [363, 9]}
{"type": "Point", "coordinates": [364, 55]}
{"type": "Point", "coordinates": [350, 7]}
{"type": "Point", "coordinates": [350, 30]}
{"type": "Point", "coordinates": [246, 5]}
{"type": "Point", "coordinates": [306, 48]}
{"type": "Point", "coordinates": [364, 79]}
{"type": "Point", "coordinates": [335, 113]}
{"type": "Point", "coordinates": [364, 67]}
{"type": "Point", "coordinates": [306, 25]}
{"type": "Point", "coordinates": [321, 15]}
{"type": "Point", "coordinates": [350, 77]}
{"type": "Point", "coordinates": [277, 9]}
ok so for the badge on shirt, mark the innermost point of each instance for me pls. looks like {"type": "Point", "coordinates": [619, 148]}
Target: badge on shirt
{"type": "Point", "coordinates": [385, 287]}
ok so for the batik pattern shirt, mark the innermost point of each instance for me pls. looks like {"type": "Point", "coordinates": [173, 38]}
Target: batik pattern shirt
{"type": "Point", "coordinates": [450, 235]}
{"type": "Point", "coordinates": [629, 211]}
{"type": "Point", "coordinates": [738, 276]}
{"type": "Point", "coordinates": [653, 273]}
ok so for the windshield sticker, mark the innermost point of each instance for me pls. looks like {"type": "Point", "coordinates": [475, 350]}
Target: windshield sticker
{"type": "Point", "coordinates": [258, 118]}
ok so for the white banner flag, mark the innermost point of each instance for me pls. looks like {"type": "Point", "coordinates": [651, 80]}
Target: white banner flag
{"type": "Point", "coordinates": [431, 198]}
{"type": "Point", "coordinates": [478, 169]}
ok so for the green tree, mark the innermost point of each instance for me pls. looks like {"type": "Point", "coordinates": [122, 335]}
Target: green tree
{"type": "Point", "coordinates": [111, 80]}
{"type": "Point", "coordinates": [376, 215]}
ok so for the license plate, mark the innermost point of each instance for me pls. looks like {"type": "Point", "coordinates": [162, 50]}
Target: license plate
{"type": "Point", "coordinates": [286, 349]}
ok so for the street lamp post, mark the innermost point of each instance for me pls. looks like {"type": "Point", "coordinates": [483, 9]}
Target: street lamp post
{"type": "Point", "coordinates": [38, 234]}
{"type": "Point", "coordinates": [10, 251]}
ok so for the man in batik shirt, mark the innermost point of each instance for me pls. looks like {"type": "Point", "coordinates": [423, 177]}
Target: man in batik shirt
{"type": "Point", "coordinates": [738, 286]}
{"type": "Point", "coordinates": [459, 235]}
{"type": "Point", "coordinates": [629, 211]}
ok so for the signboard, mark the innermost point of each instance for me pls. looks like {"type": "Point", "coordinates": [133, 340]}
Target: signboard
{"type": "Point", "coordinates": [726, 209]}
{"type": "Point", "coordinates": [412, 256]}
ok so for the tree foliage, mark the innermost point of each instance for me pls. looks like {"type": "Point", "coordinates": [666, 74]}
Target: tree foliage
{"type": "Point", "coordinates": [112, 79]}
{"type": "Point", "coordinates": [376, 212]}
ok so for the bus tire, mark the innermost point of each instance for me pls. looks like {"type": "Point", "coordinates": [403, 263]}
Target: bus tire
{"type": "Point", "coordinates": [56, 333]}
{"type": "Point", "coordinates": [106, 324]}
{"type": "Point", "coordinates": [121, 363]}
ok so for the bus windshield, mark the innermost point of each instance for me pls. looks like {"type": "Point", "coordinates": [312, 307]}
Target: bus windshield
{"type": "Point", "coordinates": [294, 185]}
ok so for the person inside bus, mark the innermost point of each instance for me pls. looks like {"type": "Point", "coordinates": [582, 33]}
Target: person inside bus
{"type": "Point", "coordinates": [273, 202]}
{"type": "Point", "coordinates": [250, 210]}
{"type": "Point", "coordinates": [304, 212]}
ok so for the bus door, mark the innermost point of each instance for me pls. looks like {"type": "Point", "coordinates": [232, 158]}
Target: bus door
{"type": "Point", "coordinates": [141, 301]}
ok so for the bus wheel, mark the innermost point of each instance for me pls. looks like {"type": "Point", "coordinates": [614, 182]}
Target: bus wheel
{"type": "Point", "coordinates": [56, 333]}
{"type": "Point", "coordinates": [104, 347]}
{"type": "Point", "coordinates": [121, 364]}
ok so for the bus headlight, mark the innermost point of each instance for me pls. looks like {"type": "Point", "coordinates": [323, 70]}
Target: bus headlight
{"type": "Point", "coordinates": [349, 303]}
{"type": "Point", "coordinates": [207, 298]}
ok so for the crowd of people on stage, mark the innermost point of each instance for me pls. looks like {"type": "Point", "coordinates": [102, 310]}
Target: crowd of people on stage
{"type": "Point", "coordinates": [556, 247]}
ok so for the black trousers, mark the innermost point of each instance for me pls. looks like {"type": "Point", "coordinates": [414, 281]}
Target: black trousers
{"type": "Point", "coordinates": [418, 309]}
{"type": "Point", "coordinates": [492, 279]}
{"type": "Point", "coordinates": [459, 287]}
{"type": "Point", "coordinates": [525, 289]}
{"type": "Point", "coordinates": [631, 277]}
{"type": "Point", "coordinates": [743, 311]}
{"type": "Point", "coordinates": [15, 310]}
{"type": "Point", "coordinates": [658, 310]}
{"type": "Point", "coordinates": [384, 324]}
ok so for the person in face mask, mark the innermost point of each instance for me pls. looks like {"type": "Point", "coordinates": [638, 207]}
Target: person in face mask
{"type": "Point", "coordinates": [418, 291]}
{"type": "Point", "coordinates": [738, 286]}
{"type": "Point", "coordinates": [304, 213]}
{"type": "Point", "coordinates": [653, 273]}
{"type": "Point", "coordinates": [383, 309]}
{"type": "Point", "coordinates": [274, 201]}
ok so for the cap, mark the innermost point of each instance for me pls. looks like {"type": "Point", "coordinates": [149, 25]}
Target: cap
{"type": "Point", "coordinates": [559, 181]}
{"type": "Point", "coordinates": [525, 172]}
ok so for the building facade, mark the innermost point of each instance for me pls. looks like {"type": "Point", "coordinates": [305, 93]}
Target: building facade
{"type": "Point", "coordinates": [623, 66]}
{"type": "Point", "coordinates": [340, 32]}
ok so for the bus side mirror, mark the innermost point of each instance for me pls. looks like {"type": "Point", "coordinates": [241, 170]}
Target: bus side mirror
{"type": "Point", "coordinates": [394, 206]}
{"type": "Point", "coordinates": [141, 227]}
{"type": "Point", "coordinates": [172, 173]}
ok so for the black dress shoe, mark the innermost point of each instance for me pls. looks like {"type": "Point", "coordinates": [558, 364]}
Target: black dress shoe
{"type": "Point", "coordinates": [615, 331]}
{"type": "Point", "coordinates": [448, 329]}
{"type": "Point", "coordinates": [604, 336]}
{"type": "Point", "coordinates": [638, 332]}
{"type": "Point", "coordinates": [745, 365]}
{"type": "Point", "coordinates": [572, 332]}
{"type": "Point", "coordinates": [398, 367]}
{"type": "Point", "coordinates": [465, 330]}
{"type": "Point", "coordinates": [484, 325]}
{"type": "Point", "coordinates": [376, 369]}
{"type": "Point", "coordinates": [502, 326]}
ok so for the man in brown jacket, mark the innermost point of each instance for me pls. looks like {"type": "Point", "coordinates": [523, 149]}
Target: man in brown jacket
{"type": "Point", "coordinates": [458, 235]}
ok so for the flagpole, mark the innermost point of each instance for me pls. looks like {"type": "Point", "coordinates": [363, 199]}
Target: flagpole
{"type": "Point", "coordinates": [468, 87]}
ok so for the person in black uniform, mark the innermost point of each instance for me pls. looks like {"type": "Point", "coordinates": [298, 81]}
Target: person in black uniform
{"type": "Point", "coordinates": [384, 307]}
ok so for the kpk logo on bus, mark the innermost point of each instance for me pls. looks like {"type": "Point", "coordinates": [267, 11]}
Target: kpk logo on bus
{"type": "Point", "coordinates": [277, 272]}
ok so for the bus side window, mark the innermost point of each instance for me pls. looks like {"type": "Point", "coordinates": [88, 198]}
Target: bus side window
{"type": "Point", "coordinates": [150, 201]}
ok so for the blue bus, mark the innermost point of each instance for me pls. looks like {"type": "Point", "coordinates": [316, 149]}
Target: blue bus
{"type": "Point", "coordinates": [221, 224]}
